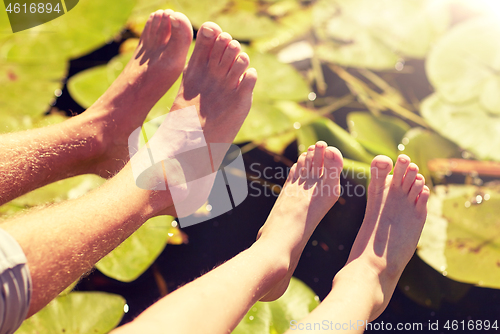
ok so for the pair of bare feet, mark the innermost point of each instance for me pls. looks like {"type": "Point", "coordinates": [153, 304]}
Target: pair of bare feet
{"type": "Point", "coordinates": [394, 218]}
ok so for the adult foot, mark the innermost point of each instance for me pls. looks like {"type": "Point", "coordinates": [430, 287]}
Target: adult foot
{"type": "Point", "coordinates": [217, 82]}
{"type": "Point", "coordinates": [156, 64]}
{"type": "Point", "coordinates": [394, 218]}
{"type": "Point", "coordinates": [311, 189]}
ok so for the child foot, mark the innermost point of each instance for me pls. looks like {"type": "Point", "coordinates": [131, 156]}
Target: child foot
{"type": "Point", "coordinates": [394, 218]}
{"type": "Point", "coordinates": [217, 82]}
{"type": "Point", "coordinates": [311, 189]}
{"type": "Point", "coordinates": [156, 64]}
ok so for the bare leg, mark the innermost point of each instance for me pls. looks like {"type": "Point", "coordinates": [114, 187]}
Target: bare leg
{"type": "Point", "coordinates": [217, 301]}
{"type": "Point", "coordinates": [96, 141]}
{"type": "Point", "coordinates": [394, 219]}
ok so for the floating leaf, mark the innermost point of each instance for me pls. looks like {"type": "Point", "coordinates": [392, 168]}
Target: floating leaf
{"type": "Point", "coordinates": [372, 34]}
{"type": "Point", "coordinates": [275, 317]}
{"type": "Point", "coordinates": [468, 125]}
{"type": "Point", "coordinates": [423, 145]}
{"type": "Point", "coordinates": [461, 238]}
{"type": "Point", "coordinates": [134, 256]}
{"type": "Point", "coordinates": [378, 134]}
{"type": "Point", "coordinates": [70, 188]}
{"type": "Point", "coordinates": [76, 33]}
{"type": "Point", "coordinates": [28, 87]}
{"type": "Point", "coordinates": [77, 312]}
{"type": "Point", "coordinates": [464, 65]}
{"type": "Point", "coordinates": [325, 129]}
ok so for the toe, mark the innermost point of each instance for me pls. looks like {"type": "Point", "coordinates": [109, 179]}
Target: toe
{"type": "Point", "coordinates": [164, 29]}
{"type": "Point", "coordinates": [416, 188]}
{"type": "Point", "coordinates": [238, 68]}
{"type": "Point", "coordinates": [309, 159]}
{"type": "Point", "coordinates": [205, 39]}
{"type": "Point", "coordinates": [400, 170]}
{"type": "Point", "coordinates": [333, 163]}
{"type": "Point", "coordinates": [423, 197]}
{"type": "Point", "coordinates": [248, 81]}
{"type": "Point", "coordinates": [292, 174]}
{"type": "Point", "coordinates": [229, 56]}
{"type": "Point", "coordinates": [218, 49]}
{"type": "Point", "coordinates": [155, 24]}
{"type": "Point", "coordinates": [301, 164]}
{"type": "Point", "coordinates": [409, 178]}
{"type": "Point", "coordinates": [381, 167]}
{"type": "Point", "coordinates": [319, 154]}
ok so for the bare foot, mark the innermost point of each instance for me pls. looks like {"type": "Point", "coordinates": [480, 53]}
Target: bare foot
{"type": "Point", "coordinates": [158, 61]}
{"type": "Point", "coordinates": [217, 82]}
{"type": "Point", "coordinates": [312, 188]}
{"type": "Point", "coordinates": [394, 218]}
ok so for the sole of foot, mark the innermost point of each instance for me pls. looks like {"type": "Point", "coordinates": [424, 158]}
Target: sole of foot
{"type": "Point", "coordinates": [158, 61]}
{"type": "Point", "coordinates": [218, 82]}
{"type": "Point", "coordinates": [394, 219]}
{"type": "Point", "coordinates": [310, 191]}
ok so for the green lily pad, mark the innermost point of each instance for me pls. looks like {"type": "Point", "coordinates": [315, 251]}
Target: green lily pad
{"type": "Point", "coordinates": [72, 35]}
{"type": "Point", "coordinates": [134, 256]}
{"type": "Point", "coordinates": [77, 312]}
{"type": "Point", "coordinates": [28, 88]}
{"type": "Point", "coordinates": [464, 65]}
{"type": "Point", "coordinates": [461, 237]}
{"type": "Point", "coordinates": [375, 34]}
{"type": "Point", "coordinates": [468, 125]}
{"type": "Point", "coordinates": [423, 145]}
{"type": "Point", "coordinates": [275, 317]}
{"type": "Point", "coordinates": [70, 188]}
{"type": "Point", "coordinates": [277, 81]}
{"type": "Point", "coordinates": [378, 134]}
{"type": "Point", "coordinates": [325, 129]}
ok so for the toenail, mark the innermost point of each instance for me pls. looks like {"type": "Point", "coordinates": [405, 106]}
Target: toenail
{"type": "Point", "coordinates": [233, 44]}
{"type": "Point", "coordinates": [403, 160]}
{"type": "Point", "coordinates": [174, 21]}
{"type": "Point", "coordinates": [382, 165]}
{"type": "Point", "coordinates": [208, 32]}
{"type": "Point", "coordinates": [329, 154]}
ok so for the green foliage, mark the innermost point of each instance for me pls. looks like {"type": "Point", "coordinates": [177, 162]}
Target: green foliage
{"type": "Point", "coordinates": [77, 312]}
{"type": "Point", "coordinates": [460, 238]}
{"type": "Point", "coordinates": [274, 317]}
{"type": "Point", "coordinates": [136, 254]}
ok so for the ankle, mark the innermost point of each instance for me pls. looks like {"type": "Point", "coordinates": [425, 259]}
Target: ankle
{"type": "Point", "coordinates": [277, 259]}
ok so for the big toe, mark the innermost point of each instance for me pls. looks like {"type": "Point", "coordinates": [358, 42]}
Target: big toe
{"type": "Point", "coordinates": [333, 164]}
{"type": "Point", "coordinates": [181, 32]}
{"type": "Point", "coordinates": [380, 168]}
{"type": "Point", "coordinates": [205, 39]}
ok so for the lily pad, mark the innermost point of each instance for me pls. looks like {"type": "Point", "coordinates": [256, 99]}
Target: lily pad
{"type": "Point", "coordinates": [461, 238]}
{"type": "Point", "coordinates": [134, 256]}
{"type": "Point", "coordinates": [378, 134]}
{"type": "Point", "coordinates": [77, 312]}
{"type": "Point", "coordinates": [424, 145]}
{"type": "Point", "coordinates": [325, 129]}
{"type": "Point", "coordinates": [72, 35]}
{"type": "Point", "coordinates": [375, 34]}
{"type": "Point", "coordinates": [464, 65]}
{"type": "Point", "coordinates": [275, 317]}
{"type": "Point", "coordinates": [468, 125]}
{"type": "Point", "coordinates": [70, 188]}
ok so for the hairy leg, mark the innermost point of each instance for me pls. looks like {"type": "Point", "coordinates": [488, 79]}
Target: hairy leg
{"type": "Point", "coordinates": [395, 215]}
{"type": "Point", "coordinates": [217, 301]}
{"type": "Point", "coordinates": [96, 141]}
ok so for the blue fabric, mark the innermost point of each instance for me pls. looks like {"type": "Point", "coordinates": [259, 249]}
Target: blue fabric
{"type": "Point", "coordinates": [15, 284]}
